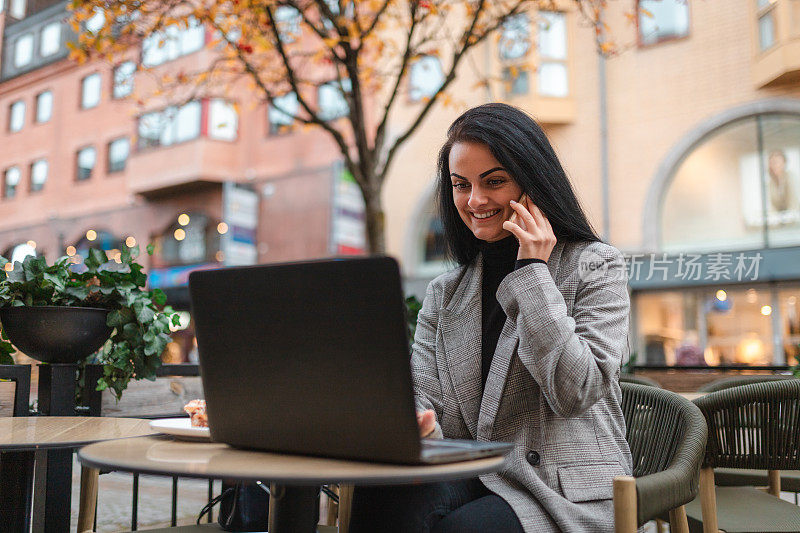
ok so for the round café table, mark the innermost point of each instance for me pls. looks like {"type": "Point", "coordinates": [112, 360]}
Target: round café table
{"type": "Point", "coordinates": [20, 437]}
{"type": "Point", "coordinates": [294, 479]}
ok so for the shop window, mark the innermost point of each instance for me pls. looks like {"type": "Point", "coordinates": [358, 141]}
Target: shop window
{"type": "Point", "coordinates": [11, 178]}
{"type": "Point", "coordinates": [99, 240]}
{"type": "Point", "coordinates": [123, 79]}
{"type": "Point", "coordinates": [39, 170]}
{"type": "Point", "coordinates": [50, 42]}
{"type": "Point", "coordinates": [90, 91]}
{"type": "Point", "coordinates": [16, 116]}
{"type": "Point", "coordinates": [282, 112]}
{"type": "Point", "coordinates": [44, 106]}
{"type": "Point", "coordinates": [87, 159]}
{"type": "Point", "coordinates": [789, 307]}
{"type": "Point", "coordinates": [20, 252]}
{"type": "Point", "coordinates": [738, 189]}
{"type": "Point", "coordinates": [118, 152]}
{"type": "Point", "coordinates": [223, 120]}
{"type": "Point", "coordinates": [23, 51]}
{"type": "Point", "coordinates": [196, 241]}
{"type": "Point", "coordinates": [425, 78]}
{"type": "Point", "coordinates": [662, 20]}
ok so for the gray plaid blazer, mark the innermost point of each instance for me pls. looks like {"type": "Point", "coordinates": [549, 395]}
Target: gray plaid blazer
{"type": "Point", "coordinates": [553, 386]}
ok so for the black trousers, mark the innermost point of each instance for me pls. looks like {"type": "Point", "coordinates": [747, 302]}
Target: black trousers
{"type": "Point", "coordinates": [457, 506]}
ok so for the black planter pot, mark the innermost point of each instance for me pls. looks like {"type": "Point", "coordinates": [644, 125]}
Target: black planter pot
{"type": "Point", "coordinates": [56, 334]}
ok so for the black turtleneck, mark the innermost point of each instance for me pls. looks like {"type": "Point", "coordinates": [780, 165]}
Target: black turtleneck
{"type": "Point", "coordinates": [499, 259]}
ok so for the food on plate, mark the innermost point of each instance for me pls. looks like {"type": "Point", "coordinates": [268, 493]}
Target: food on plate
{"type": "Point", "coordinates": [197, 413]}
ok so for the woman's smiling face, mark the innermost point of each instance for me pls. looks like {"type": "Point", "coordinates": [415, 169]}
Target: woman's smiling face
{"type": "Point", "coordinates": [482, 190]}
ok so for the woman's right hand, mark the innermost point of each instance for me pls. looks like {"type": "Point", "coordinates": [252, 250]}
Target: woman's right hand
{"type": "Point", "coordinates": [426, 420]}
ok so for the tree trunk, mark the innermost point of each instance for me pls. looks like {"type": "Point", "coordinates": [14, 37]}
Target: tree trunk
{"type": "Point", "coordinates": [376, 225]}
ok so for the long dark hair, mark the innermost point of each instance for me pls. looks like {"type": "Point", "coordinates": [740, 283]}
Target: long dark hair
{"type": "Point", "coordinates": [520, 145]}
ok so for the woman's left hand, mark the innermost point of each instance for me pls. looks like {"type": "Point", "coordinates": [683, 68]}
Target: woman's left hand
{"type": "Point", "coordinates": [532, 230]}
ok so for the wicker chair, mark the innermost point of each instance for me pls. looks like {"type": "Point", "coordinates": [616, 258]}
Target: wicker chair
{"type": "Point", "coordinates": [667, 437]}
{"type": "Point", "coordinates": [752, 426]}
{"type": "Point", "coordinates": [641, 380]}
{"type": "Point", "coordinates": [738, 477]}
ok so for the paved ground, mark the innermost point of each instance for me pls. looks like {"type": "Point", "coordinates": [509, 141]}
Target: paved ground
{"type": "Point", "coordinates": [155, 500]}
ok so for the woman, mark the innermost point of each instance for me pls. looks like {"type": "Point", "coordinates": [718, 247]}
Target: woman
{"type": "Point", "coordinates": [521, 343]}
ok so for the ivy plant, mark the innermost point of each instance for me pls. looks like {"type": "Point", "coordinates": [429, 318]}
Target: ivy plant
{"type": "Point", "coordinates": [138, 317]}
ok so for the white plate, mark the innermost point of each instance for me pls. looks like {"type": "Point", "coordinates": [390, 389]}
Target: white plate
{"type": "Point", "coordinates": [181, 428]}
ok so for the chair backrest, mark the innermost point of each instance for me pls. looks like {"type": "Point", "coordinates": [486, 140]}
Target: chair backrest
{"type": "Point", "coordinates": [738, 381]}
{"type": "Point", "coordinates": [754, 426]}
{"type": "Point", "coordinates": [21, 376]}
{"type": "Point", "coordinates": [641, 380]}
{"type": "Point", "coordinates": [667, 437]}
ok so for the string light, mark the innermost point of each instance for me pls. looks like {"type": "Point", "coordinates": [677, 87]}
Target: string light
{"type": "Point", "coordinates": [179, 234]}
{"type": "Point", "coordinates": [91, 235]}
{"type": "Point", "coordinates": [222, 228]}
{"type": "Point", "coordinates": [130, 242]}
{"type": "Point", "coordinates": [183, 219]}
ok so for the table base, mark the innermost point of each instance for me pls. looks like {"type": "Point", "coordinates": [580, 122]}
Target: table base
{"type": "Point", "coordinates": [293, 509]}
{"type": "Point", "coordinates": [16, 487]}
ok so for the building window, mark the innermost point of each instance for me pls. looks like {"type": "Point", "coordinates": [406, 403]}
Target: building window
{"type": "Point", "coordinates": [223, 120]}
{"type": "Point", "coordinates": [16, 116]}
{"type": "Point", "coordinates": [87, 158]}
{"type": "Point", "coordinates": [172, 43]}
{"type": "Point", "coordinates": [552, 44]}
{"type": "Point", "coordinates": [287, 19]}
{"type": "Point", "coordinates": [50, 40]}
{"type": "Point", "coordinates": [170, 126]}
{"type": "Point", "coordinates": [44, 106]}
{"type": "Point", "coordinates": [662, 20]}
{"type": "Point", "coordinates": [10, 182]}
{"type": "Point", "coordinates": [23, 50]}
{"type": "Point", "coordinates": [123, 79]}
{"type": "Point", "coordinates": [195, 242]}
{"type": "Point", "coordinates": [766, 24]}
{"type": "Point", "coordinates": [38, 175]}
{"type": "Point", "coordinates": [425, 78]}
{"type": "Point", "coordinates": [331, 100]}
{"type": "Point", "coordinates": [90, 91]}
{"type": "Point", "coordinates": [515, 81]}
{"type": "Point", "coordinates": [435, 245]}
{"type": "Point", "coordinates": [515, 37]}
{"type": "Point", "coordinates": [282, 112]}
{"type": "Point", "coordinates": [96, 22]}
{"type": "Point", "coordinates": [118, 152]}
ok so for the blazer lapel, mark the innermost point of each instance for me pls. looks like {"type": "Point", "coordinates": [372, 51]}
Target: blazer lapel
{"type": "Point", "coordinates": [460, 325]}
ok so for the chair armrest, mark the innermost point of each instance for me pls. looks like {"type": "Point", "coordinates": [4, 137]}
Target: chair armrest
{"type": "Point", "coordinates": [658, 493]}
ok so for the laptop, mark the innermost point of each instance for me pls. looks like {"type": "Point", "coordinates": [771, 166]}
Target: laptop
{"type": "Point", "coordinates": [313, 358]}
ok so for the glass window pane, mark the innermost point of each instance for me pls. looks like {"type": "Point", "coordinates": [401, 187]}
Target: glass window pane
{"type": "Point", "coordinates": [789, 304]}
{"type": "Point", "coordinates": [281, 114]}
{"type": "Point", "coordinates": [51, 39]}
{"type": "Point", "coordinates": [118, 152]}
{"type": "Point", "coordinates": [86, 161]}
{"type": "Point", "coordinates": [187, 122]}
{"type": "Point", "coordinates": [23, 50]}
{"type": "Point", "coordinates": [150, 128]}
{"type": "Point", "coordinates": [515, 37]}
{"type": "Point", "coordinates": [713, 201]}
{"type": "Point", "coordinates": [154, 49]}
{"type": "Point", "coordinates": [515, 81]}
{"type": "Point", "coordinates": [17, 8]}
{"type": "Point", "coordinates": [331, 101]}
{"type": "Point", "coordinates": [553, 80]}
{"type": "Point", "coordinates": [425, 77]}
{"type": "Point", "coordinates": [97, 21]}
{"type": "Point", "coordinates": [223, 120]}
{"type": "Point", "coordinates": [90, 92]}
{"type": "Point", "coordinates": [662, 19]}
{"type": "Point", "coordinates": [123, 79]}
{"type": "Point", "coordinates": [552, 35]}
{"type": "Point", "coordinates": [766, 31]}
{"type": "Point", "coordinates": [781, 171]}
{"type": "Point", "coordinates": [435, 247]}
{"type": "Point", "coordinates": [11, 179]}
{"type": "Point", "coordinates": [38, 175]}
{"type": "Point", "coordinates": [288, 19]}
{"type": "Point", "coordinates": [739, 326]}
{"type": "Point", "coordinates": [16, 116]}
{"type": "Point", "coordinates": [192, 38]}
{"type": "Point", "coordinates": [44, 106]}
